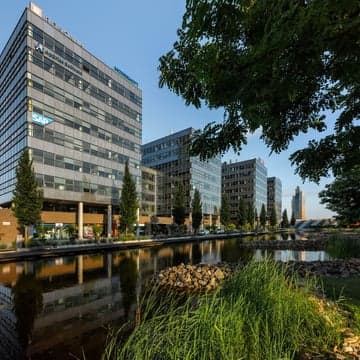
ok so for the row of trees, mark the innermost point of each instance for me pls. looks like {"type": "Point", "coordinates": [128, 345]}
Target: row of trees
{"type": "Point", "coordinates": [179, 210]}
{"type": "Point", "coordinates": [342, 196]}
{"type": "Point", "coordinates": [247, 215]}
{"type": "Point", "coordinates": [28, 198]}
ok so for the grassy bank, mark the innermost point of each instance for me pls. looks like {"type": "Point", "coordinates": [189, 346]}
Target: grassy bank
{"type": "Point", "coordinates": [347, 293]}
{"type": "Point", "coordinates": [260, 313]}
{"type": "Point", "coordinates": [343, 246]}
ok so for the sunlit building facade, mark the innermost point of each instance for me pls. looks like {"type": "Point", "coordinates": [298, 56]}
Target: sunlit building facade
{"type": "Point", "coordinates": [245, 180]}
{"type": "Point", "coordinates": [170, 156]}
{"type": "Point", "coordinates": [274, 197]}
{"type": "Point", "coordinates": [80, 119]}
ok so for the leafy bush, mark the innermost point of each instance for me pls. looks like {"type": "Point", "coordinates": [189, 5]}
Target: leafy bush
{"type": "Point", "coordinates": [126, 237]}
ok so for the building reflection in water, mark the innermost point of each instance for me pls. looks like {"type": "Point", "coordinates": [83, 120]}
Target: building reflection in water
{"type": "Point", "coordinates": [75, 298]}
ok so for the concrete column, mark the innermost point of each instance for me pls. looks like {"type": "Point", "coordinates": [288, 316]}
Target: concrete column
{"type": "Point", "coordinates": [80, 220]}
{"type": "Point", "coordinates": [109, 265]}
{"type": "Point", "coordinates": [80, 269]}
{"type": "Point", "coordinates": [137, 222]}
{"type": "Point", "coordinates": [210, 220]}
{"type": "Point", "coordinates": [109, 222]}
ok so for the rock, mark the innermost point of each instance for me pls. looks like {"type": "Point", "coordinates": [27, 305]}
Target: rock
{"type": "Point", "coordinates": [219, 274]}
{"type": "Point", "coordinates": [200, 277]}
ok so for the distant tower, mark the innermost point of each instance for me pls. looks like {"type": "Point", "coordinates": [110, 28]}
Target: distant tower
{"type": "Point", "coordinates": [298, 204]}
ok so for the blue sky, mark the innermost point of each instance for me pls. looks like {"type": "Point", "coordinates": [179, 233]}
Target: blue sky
{"type": "Point", "coordinates": [132, 35]}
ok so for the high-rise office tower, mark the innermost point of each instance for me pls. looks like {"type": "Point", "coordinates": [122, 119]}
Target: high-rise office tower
{"type": "Point", "coordinates": [298, 204]}
{"type": "Point", "coordinates": [247, 180]}
{"type": "Point", "coordinates": [79, 118]}
{"type": "Point", "coordinates": [170, 156]}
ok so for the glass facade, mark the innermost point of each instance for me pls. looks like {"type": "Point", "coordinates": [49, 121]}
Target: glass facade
{"type": "Point", "coordinates": [245, 180]}
{"type": "Point", "coordinates": [170, 156]}
{"type": "Point", "coordinates": [274, 191]}
{"type": "Point", "coordinates": [81, 119]}
{"type": "Point", "coordinates": [13, 107]}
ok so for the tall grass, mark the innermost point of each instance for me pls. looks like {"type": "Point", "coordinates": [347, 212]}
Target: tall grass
{"type": "Point", "coordinates": [260, 313]}
{"type": "Point", "coordinates": [343, 247]}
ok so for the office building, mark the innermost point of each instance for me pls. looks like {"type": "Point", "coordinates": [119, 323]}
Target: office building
{"type": "Point", "coordinates": [170, 156]}
{"type": "Point", "coordinates": [245, 180]}
{"type": "Point", "coordinates": [149, 178]}
{"type": "Point", "coordinates": [298, 204]}
{"type": "Point", "coordinates": [274, 197]}
{"type": "Point", "coordinates": [80, 119]}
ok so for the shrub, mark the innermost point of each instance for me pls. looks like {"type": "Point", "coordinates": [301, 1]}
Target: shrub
{"type": "Point", "coordinates": [126, 237]}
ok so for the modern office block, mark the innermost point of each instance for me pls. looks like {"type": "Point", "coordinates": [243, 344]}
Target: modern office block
{"type": "Point", "coordinates": [80, 119]}
{"type": "Point", "coordinates": [274, 197]}
{"type": "Point", "coordinates": [171, 157]}
{"type": "Point", "coordinates": [245, 180]}
{"type": "Point", "coordinates": [149, 179]}
{"type": "Point", "coordinates": [298, 204]}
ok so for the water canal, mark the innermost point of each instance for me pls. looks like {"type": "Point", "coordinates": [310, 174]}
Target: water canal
{"type": "Point", "coordinates": [61, 308]}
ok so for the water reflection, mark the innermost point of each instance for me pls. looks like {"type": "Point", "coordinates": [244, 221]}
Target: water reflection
{"type": "Point", "coordinates": [128, 274]}
{"type": "Point", "coordinates": [27, 301]}
{"type": "Point", "coordinates": [64, 304]}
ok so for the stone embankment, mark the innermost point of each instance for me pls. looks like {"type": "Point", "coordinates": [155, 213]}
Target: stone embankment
{"type": "Point", "coordinates": [339, 268]}
{"type": "Point", "coordinates": [208, 277]}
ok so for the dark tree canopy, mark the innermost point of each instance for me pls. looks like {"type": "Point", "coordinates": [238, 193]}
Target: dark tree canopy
{"type": "Point", "coordinates": [273, 217]}
{"type": "Point", "coordinates": [250, 214]}
{"type": "Point", "coordinates": [343, 196]}
{"type": "Point", "coordinates": [179, 205]}
{"type": "Point", "coordinates": [285, 219]}
{"type": "Point", "coordinates": [242, 213]}
{"type": "Point", "coordinates": [292, 220]}
{"type": "Point", "coordinates": [196, 210]}
{"type": "Point", "coordinates": [224, 210]}
{"type": "Point", "coordinates": [128, 201]}
{"type": "Point", "coordinates": [27, 300]}
{"type": "Point", "coordinates": [28, 198]}
{"type": "Point", "coordinates": [263, 216]}
{"type": "Point", "coordinates": [281, 66]}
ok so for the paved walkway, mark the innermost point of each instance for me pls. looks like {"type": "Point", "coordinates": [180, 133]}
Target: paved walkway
{"type": "Point", "coordinates": [49, 251]}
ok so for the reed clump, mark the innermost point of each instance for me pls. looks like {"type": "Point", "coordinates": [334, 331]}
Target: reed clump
{"type": "Point", "coordinates": [259, 313]}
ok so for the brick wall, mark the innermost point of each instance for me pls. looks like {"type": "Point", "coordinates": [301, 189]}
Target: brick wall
{"type": "Point", "coordinates": [8, 227]}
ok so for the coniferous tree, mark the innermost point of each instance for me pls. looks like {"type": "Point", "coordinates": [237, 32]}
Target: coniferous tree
{"type": "Point", "coordinates": [292, 220]}
{"type": "Point", "coordinates": [179, 206]}
{"type": "Point", "coordinates": [215, 216]}
{"type": "Point", "coordinates": [128, 201]}
{"type": "Point", "coordinates": [250, 214]}
{"type": "Point", "coordinates": [242, 214]}
{"type": "Point", "coordinates": [285, 220]}
{"type": "Point", "coordinates": [273, 217]}
{"type": "Point", "coordinates": [28, 198]}
{"type": "Point", "coordinates": [263, 216]}
{"type": "Point", "coordinates": [196, 211]}
{"type": "Point", "coordinates": [224, 210]}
